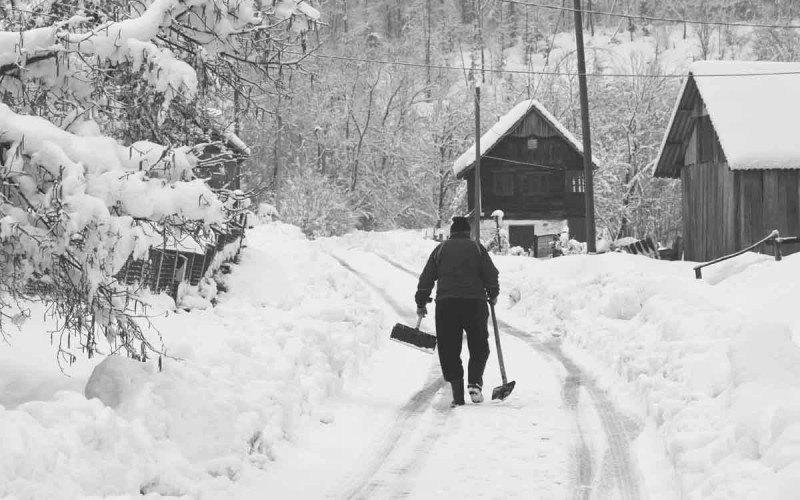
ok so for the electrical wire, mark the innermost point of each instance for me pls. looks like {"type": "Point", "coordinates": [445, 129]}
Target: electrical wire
{"type": "Point", "coordinates": [526, 72]}
{"type": "Point", "coordinates": [653, 18]}
{"type": "Point", "coordinates": [585, 11]}
{"type": "Point", "coordinates": [563, 73]}
{"type": "Point", "coordinates": [546, 167]}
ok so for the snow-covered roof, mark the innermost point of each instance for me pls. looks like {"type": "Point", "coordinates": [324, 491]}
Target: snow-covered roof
{"type": "Point", "coordinates": [176, 240]}
{"type": "Point", "coordinates": [505, 125]}
{"type": "Point", "coordinates": [754, 107]}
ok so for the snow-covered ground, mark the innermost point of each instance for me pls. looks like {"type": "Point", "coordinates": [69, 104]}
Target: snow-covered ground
{"type": "Point", "coordinates": [711, 367]}
{"type": "Point", "coordinates": [273, 351]}
{"type": "Point", "coordinates": [290, 386]}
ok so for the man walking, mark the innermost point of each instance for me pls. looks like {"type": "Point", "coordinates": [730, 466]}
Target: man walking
{"type": "Point", "coordinates": [466, 279]}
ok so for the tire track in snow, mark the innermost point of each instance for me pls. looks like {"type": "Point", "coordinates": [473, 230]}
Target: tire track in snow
{"type": "Point", "coordinates": [581, 456]}
{"type": "Point", "coordinates": [367, 484]}
{"type": "Point", "coordinates": [616, 471]}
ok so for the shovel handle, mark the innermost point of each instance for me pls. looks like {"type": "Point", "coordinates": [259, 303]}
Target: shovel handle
{"type": "Point", "coordinates": [499, 349]}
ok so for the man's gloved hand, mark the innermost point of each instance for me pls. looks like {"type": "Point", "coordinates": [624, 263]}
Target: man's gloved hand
{"type": "Point", "coordinates": [422, 311]}
{"type": "Point", "coordinates": [493, 301]}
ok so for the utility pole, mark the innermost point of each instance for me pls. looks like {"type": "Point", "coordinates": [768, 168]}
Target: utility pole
{"type": "Point", "coordinates": [477, 204]}
{"type": "Point", "coordinates": [277, 178]}
{"type": "Point", "coordinates": [237, 129]}
{"type": "Point", "coordinates": [480, 40]}
{"type": "Point", "coordinates": [428, 50]}
{"type": "Point", "coordinates": [587, 140]}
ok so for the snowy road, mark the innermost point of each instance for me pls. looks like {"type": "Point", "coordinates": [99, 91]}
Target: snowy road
{"type": "Point", "coordinates": [394, 435]}
{"type": "Point", "coordinates": [603, 470]}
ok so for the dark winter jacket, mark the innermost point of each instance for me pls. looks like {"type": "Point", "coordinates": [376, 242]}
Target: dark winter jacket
{"type": "Point", "coordinates": [463, 270]}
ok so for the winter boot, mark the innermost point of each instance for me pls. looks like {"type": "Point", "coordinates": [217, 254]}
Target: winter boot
{"type": "Point", "coordinates": [458, 392]}
{"type": "Point", "coordinates": [475, 393]}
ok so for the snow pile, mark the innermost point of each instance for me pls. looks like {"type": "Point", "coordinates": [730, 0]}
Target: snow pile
{"type": "Point", "coordinates": [293, 327]}
{"type": "Point", "coordinates": [712, 367]}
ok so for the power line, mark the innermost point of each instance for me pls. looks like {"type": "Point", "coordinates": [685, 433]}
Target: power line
{"type": "Point", "coordinates": [570, 9]}
{"type": "Point", "coordinates": [559, 73]}
{"type": "Point", "coordinates": [526, 72]}
{"type": "Point", "coordinates": [653, 18]}
{"type": "Point", "coordinates": [530, 164]}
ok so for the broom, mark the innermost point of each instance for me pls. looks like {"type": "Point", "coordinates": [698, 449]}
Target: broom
{"type": "Point", "coordinates": [414, 337]}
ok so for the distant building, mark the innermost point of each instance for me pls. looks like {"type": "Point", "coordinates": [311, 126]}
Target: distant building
{"type": "Point", "coordinates": [532, 170]}
{"type": "Point", "coordinates": [733, 141]}
{"type": "Point", "coordinates": [188, 256]}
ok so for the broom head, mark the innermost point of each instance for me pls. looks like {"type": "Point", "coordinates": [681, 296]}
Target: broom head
{"type": "Point", "coordinates": [412, 337]}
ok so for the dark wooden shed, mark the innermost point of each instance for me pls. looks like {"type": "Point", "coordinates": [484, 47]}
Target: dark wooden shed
{"type": "Point", "coordinates": [733, 142]}
{"type": "Point", "coordinates": [532, 170]}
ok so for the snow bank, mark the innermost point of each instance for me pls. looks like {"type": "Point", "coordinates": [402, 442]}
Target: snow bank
{"type": "Point", "coordinates": [292, 328]}
{"type": "Point", "coordinates": [714, 366]}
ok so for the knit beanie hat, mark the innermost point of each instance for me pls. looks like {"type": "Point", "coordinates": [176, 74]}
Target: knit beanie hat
{"type": "Point", "coordinates": [460, 225]}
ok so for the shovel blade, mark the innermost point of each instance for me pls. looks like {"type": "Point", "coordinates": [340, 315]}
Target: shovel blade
{"type": "Point", "coordinates": [501, 392]}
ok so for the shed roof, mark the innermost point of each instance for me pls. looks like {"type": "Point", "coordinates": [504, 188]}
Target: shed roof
{"type": "Point", "coordinates": [505, 125]}
{"type": "Point", "coordinates": [754, 107]}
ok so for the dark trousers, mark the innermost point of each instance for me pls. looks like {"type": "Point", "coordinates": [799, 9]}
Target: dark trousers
{"type": "Point", "coordinates": [453, 318]}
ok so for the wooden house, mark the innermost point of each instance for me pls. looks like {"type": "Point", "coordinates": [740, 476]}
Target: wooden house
{"type": "Point", "coordinates": [187, 257]}
{"type": "Point", "coordinates": [733, 142]}
{"type": "Point", "coordinates": [532, 170]}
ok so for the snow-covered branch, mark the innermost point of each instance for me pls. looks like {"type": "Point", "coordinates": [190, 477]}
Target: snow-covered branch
{"type": "Point", "coordinates": [90, 176]}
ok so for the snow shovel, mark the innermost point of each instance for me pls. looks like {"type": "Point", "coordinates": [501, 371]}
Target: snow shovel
{"type": "Point", "coordinates": [500, 392]}
{"type": "Point", "coordinates": [414, 337]}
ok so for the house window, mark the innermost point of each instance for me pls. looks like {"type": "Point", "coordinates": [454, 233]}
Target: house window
{"type": "Point", "coordinates": [533, 143]}
{"type": "Point", "coordinates": [535, 184]}
{"type": "Point", "coordinates": [503, 184]}
{"type": "Point", "coordinates": [574, 182]}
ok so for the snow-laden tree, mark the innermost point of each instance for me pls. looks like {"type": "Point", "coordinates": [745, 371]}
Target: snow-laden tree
{"type": "Point", "coordinates": [97, 97]}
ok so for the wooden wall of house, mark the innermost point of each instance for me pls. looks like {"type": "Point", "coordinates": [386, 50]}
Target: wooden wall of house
{"type": "Point", "coordinates": [709, 211]}
{"type": "Point", "coordinates": [768, 199]}
{"type": "Point", "coordinates": [710, 227]}
{"type": "Point", "coordinates": [532, 192]}
{"type": "Point", "coordinates": [725, 211]}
